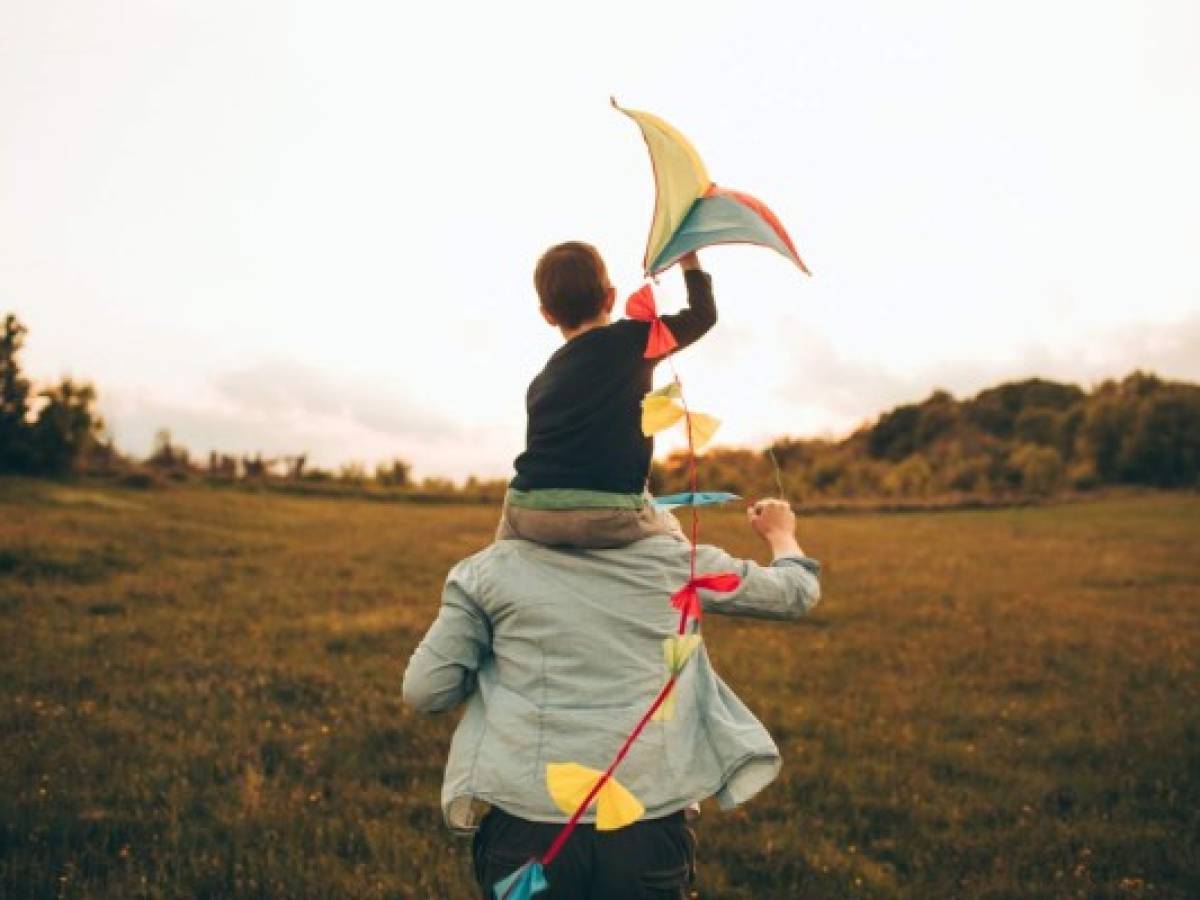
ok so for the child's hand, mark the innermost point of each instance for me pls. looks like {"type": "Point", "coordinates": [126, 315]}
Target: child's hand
{"type": "Point", "coordinates": [689, 261]}
{"type": "Point", "coordinates": [776, 524]}
{"type": "Point", "coordinates": [769, 517]}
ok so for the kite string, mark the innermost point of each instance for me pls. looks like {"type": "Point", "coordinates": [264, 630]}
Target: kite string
{"type": "Point", "coordinates": [563, 835]}
{"type": "Point", "coordinates": [687, 422]}
{"type": "Point", "coordinates": [778, 475]}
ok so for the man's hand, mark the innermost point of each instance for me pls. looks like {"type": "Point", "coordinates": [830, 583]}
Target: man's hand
{"type": "Point", "coordinates": [689, 261]}
{"type": "Point", "coordinates": [776, 524]}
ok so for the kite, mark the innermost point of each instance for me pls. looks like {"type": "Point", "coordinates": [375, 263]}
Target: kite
{"type": "Point", "coordinates": [664, 407]}
{"type": "Point", "coordinates": [699, 498]}
{"type": "Point", "coordinates": [690, 211]}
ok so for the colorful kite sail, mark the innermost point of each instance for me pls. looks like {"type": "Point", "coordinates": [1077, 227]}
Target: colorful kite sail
{"type": "Point", "coordinates": [690, 211]}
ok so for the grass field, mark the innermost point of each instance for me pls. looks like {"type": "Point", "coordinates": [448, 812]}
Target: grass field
{"type": "Point", "coordinates": [200, 698]}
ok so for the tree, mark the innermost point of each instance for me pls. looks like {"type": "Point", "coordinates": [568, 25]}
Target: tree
{"type": "Point", "coordinates": [1107, 421]}
{"type": "Point", "coordinates": [15, 450]}
{"type": "Point", "coordinates": [894, 436]}
{"type": "Point", "coordinates": [1163, 447]}
{"type": "Point", "coordinates": [996, 409]}
{"type": "Point", "coordinates": [66, 428]}
{"type": "Point", "coordinates": [1040, 469]}
{"type": "Point", "coordinates": [939, 415]}
{"type": "Point", "coordinates": [1037, 425]}
{"type": "Point", "coordinates": [969, 475]}
{"type": "Point", "coordinates": [167, 454]}
{"type": "Point", "coordinates": [352, 473]}
{"type": "Point", "coordinates": [395, 473]}
{"type": "Point", "coordinates": [911, 478]}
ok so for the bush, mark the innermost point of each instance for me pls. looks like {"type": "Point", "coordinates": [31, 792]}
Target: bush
{"type": "Point", "coordinates": [352, 473]}
{"type": "Point", "coordinates": [970, 475]}
{"type": "Point", "coordinates": [911, 478]}
{"type": "Point", "coordinates": [826, 473]}
{"type": "Point", "coordinates": [141, 480]}
{"type": "Point", "coordinates": [1039, 469]}
{"type": "Point", "coordinates": [1082, 475]}
{"type": "Point", "coordinates": [395, 473]}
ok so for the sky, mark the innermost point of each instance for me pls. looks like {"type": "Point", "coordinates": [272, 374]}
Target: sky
{"type": "Point", "coordinates": [311, 227]}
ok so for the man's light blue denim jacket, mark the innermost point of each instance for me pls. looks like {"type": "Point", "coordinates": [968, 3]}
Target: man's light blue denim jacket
{"type": "Point", "coordinates": [558, 653]}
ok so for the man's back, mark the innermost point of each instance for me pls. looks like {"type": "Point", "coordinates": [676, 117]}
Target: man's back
{"type": "Point", "coordinates": [565, 650]}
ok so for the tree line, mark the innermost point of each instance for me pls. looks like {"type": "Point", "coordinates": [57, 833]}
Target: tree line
{"type": "Point", "coordinates": [1023, 438]}
{"type": "Point", "coordinates": [1031, 437]}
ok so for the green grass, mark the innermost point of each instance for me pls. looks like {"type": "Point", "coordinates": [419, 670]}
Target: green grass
{"type": "Point", "coordinates": [200, 698]}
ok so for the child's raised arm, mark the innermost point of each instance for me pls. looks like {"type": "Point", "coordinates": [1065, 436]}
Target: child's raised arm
{"type": "Point", "coordinates": [691, 324]}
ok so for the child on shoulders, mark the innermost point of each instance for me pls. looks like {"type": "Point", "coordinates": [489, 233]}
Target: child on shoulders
{"type": "Point", "coordinates": [581, 480]}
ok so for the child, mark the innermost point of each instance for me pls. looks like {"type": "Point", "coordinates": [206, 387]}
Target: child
{"type": "Point", "coordinates": [581, 480]}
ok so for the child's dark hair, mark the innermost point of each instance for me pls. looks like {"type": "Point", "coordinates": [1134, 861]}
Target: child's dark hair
{"type": "Point", "coordinates": [572, 283]}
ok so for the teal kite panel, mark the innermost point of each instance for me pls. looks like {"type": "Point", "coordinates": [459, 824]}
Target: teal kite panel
{"type": "Point", "coordinates": [700, 498]}
{"type": "Point", "coordinates": [522, 884]}
{"type": "Point", "coordinates": [718, 220]}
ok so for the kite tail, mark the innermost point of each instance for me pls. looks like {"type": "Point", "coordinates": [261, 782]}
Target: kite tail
{"type": "Point", "coordinates": [565, 833]}
{"type": "Point", "coordinates": [561, 839]}
{"type": "Point", "coordinates": [553, 850]}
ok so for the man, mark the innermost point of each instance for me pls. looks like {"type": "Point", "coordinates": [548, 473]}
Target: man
{"type": "Point", "coordinates": [559, 654]}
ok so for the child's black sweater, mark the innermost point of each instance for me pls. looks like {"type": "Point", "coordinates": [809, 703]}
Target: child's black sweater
{"type": "Point", "coordinates": [585, 407]}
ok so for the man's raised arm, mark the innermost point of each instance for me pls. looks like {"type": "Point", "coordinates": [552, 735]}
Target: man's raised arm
{"type": "Point", "coordinates": [691, 324]}
{"type": "Point", "coordinates": [786, 589]}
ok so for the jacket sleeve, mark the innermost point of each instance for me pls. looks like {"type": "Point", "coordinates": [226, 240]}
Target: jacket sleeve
{"type": "Point", "coordinates": [691, 324]}
{"type": "Point", "coordinates": [787, 589]}
{"type": "Point", "coordinates": [441, 672]}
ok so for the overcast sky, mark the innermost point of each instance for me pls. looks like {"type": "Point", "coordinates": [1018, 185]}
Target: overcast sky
{"type": "Point", "coordinates": [312, 226]}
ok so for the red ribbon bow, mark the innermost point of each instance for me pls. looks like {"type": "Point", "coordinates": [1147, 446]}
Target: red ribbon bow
{"type": "Point", "coordinates": [640, 306]}
{"type": "Point", "coordinates": [687, 598]}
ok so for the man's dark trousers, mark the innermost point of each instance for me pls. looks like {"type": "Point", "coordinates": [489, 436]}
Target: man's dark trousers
{"type": "Point", "coordinates": [652, 859]}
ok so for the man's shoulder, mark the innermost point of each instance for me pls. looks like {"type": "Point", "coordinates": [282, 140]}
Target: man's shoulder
{"type": "Point", "coordinates": [660, 549]}
{"type": "Point", "coordinates": [485, 560]}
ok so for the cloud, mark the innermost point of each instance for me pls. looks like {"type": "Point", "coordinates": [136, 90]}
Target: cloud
{"type": "Point", "coordinates": [377, 403]}
{"type": "Point", "coordinates": [828, 384]}
{"type": "Point", "coordinates": [280, 408]}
